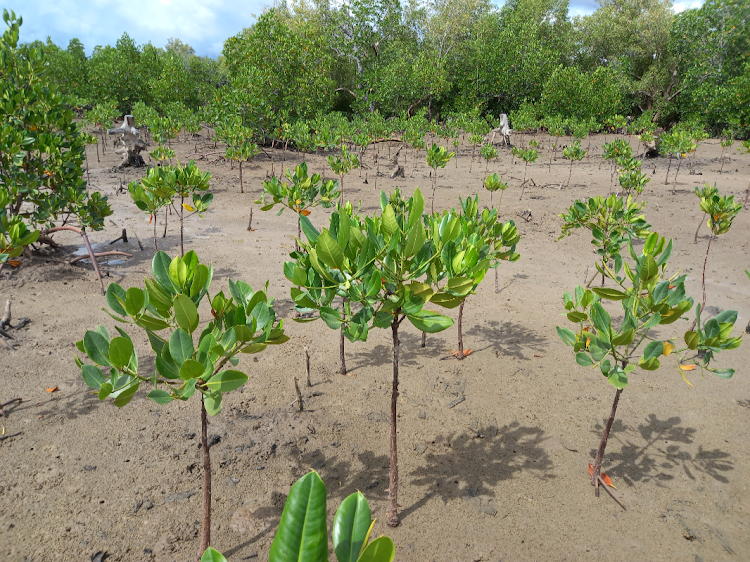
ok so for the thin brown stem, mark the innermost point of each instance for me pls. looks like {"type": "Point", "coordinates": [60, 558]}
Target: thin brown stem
{"type": "Point", "coordinates": [166, 214]}
{"type": "Point", "coordinates": [88, 248]}
{"type": "Point", "coordinates": [182, 212]}
{"type": "Point", "coordinates": [695, 240]}
{"type": "Point", "coordinates": [206, 527]}
{"type": "Point", "coordinates": [595, 479]}
{"type": "Point", "coordinates": [392, 511]}
{"type": "Point", "coordinates": [242, 190]}
{"type": "Point", "coordinates": [705, 261]}
{"type": "Point", "coordinates": [460, 331]}
{"type": "Point", "coordinates": [307, 367]}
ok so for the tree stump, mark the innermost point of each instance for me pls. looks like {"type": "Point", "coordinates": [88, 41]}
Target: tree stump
{"type": "Point", "coordinates": [130, 143]}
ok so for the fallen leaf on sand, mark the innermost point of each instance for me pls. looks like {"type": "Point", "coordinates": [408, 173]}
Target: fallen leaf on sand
{"type": "Point", "coordinates": [467, 352]}
{"type": "Point", "coordinates": [606, 479]}
{"type": "Point", "coordinates": [53, 389]}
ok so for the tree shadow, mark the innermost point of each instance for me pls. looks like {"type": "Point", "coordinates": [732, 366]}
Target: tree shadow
{"type": "Point", "coordinates": [507, 338]}
{"type": "Point", "coordinates": [658, 453]}
{"type": "Point", "coordinates": [471, 464]}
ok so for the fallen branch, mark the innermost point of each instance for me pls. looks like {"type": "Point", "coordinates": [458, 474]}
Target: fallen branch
{"type": "Point", "coordinates": [4, 437]}
{"type": "Point", "coordinates": [123, 237]}
{"type": "Point", "coordinates": [88, 247]}
{"type": "Point", "coordinates": [611, 493]}
{"type": "Point", "coordinates": [300, 403]}
{"type": "Point", "coordinates": [100, 255]}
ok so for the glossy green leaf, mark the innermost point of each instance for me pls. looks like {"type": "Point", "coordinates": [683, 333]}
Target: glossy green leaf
{"type": "Point", "coordinates": [160, 396]}
{"type": "Point", "coordinates": [97, 348]}
{"type": "Point", "coordinates": [181, 346]}
{"type": "Point", "coordinates": [160, 266]}
{"type": "Point", "coordinates": [116, 296]}
{"type": "Point", "coordinates": [120, 350]}
{"type": "Point", "coordinates": [135, 299]}
{"type": "Point", "coordinates": [653, 349]}
{"type": "Point", "coordinates": [92, 376]}
{"type": "Point", "coordinates": [212, 555]}
{"type": "Point", "coordinates": [583, 359]}
{"type": "Point", "coordinates": [302, 534]}
{"type": "Point", "coordinates": [191, 369]}
{"type": "Point", "coordinates": [178, 272]}
{"type": "Point", "coordinates": [329, 252]}
{"type": "Point", "coordinates": [610, 294]}
{"type": "Point", "coordinates": [127, 394]}
{"type": "Point", "coordinates": [388, 223]}
{"type": "Point", "coordinates": [185, 313]}
{"type": "Point", "coordinates": [350, 527]}
{"type": "Point", "coordinates": [381, 549]}
{"type": "Point", "coordinates": [430, 322]}
{"type": "Point", "coordinates": [226, 381]}
{"type": "Point", "coordinates": [461, 286]}
{"type": "Point", "coordinates": [566, 335]}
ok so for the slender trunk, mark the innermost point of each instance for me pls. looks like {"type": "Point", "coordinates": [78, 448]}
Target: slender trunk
{"type": "Point", "coordinates": [392, 511]}
{"type": "Point", "coordinates": [497, 288]}
{"type": "Point", "coordinates": [570, 173]}
{"type": "Point", "coordinates": [299, 232]}
{"type": "Point", "coordinates": [182, 211]}
{"type": "Point", "coordinates": [460, 332]}
{"type": "Point", "coordinates": [342, 188]}
{"type": "Point", "coordinates": [674, 187]}
{"type": "Point", "coordinates": [342, 355]}
{"type": "Point", "coordinates": [88, 179]}
{"type": "Point", "coordinates": [491, 194]}
{"type": "Point", "coordinates": [722, 162]}
{"type": "Point", "coordinates": [695, 240]}
{"type": "Point", "coordinates": [705, 261]}
{"type": "Point", "coordinates": [666, 180]}
{"type": "Point", "coordinates": [523, 183]}
{"type": "Point", "coordinates": [206, 527]}
{"type": "Point", "coordinates": [603, 443]}
{"type": "Point", "coordinates": [97, 152]}
{"type": "Point", "coordinates": [153, 218]}
{"type": "Point", "coordinates": [424, 339]}
{"type": "Point", "coordinates": [241, 188]}
{"type": "Point", "coordinates": [434, 185]}
{"type": "Point", "coordinates": [166, 214]}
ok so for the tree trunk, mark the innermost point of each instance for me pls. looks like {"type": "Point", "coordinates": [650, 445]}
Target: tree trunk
{"type": "Point", "coordinates": [166, 214]}
{"type": "Point", "coordinates": [241, 188]}
{"type": "Point", "coordinates": [182, 212]}
{"type": "Point", "coordinates": [460, 332]}
{"type": "Point", "coordinates": [206, 527]}
{"type": "Point", "coordinates": [603, 443]}
{"type": "Point", "coordinates": [153, 218]}
{"type": "Point", "coordinates": [424, 339]}
{"type": "Point", "coordinates": [392, 511]}
{"type": "Point", "coordinates": [88, 248]}
{"type": "Point", "coordinates": [666, 180]}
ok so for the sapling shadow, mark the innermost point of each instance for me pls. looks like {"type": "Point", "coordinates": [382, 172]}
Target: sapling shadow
{"type": "Point", "coordinates": [167, 311]}
{"type": "Point", "coordinates": [649, 298]}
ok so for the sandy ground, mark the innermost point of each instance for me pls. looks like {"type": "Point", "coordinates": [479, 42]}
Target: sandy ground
{"type": "Point", "coordinates": [494, 450]}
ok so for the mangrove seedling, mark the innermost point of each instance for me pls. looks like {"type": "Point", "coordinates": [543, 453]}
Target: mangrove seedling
{"type": "Point", "coordinates": [437, 157]}
{"type": "Point", "coordinates": [574, 153]}
{"type": "Point", "coordinates": [342, 165]}
{"type": "Point", "coordinates": [650, 299]}
{"type": "Point", "coordinates": [167, 311]}
{"type": "Point", "coordinates": [675, 143]}
{"type": "Point", "coordinates": [488, 152]}
{"type": "Point", "coordinates": [528, 155]}
{"type": "Point", "coordinates": [727, 140]}
{"type": "Point", "coordinates": [377, 264]}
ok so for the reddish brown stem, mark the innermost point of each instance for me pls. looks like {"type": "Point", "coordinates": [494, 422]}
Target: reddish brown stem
{"type": "Point", "coordinates": [206, 527]}
{"type": "Point", "coordinates": [166, 213]}
{"type": "Point", "coordinates": [100, 255]}
{"type": "Point", "coordinates": [182, 212]}
{"type": "Point", "coordinates": [392, 511]}
{"type": "Point", "coordinates": [242, 190]}
{"type": "Point", "coordinates": [460, 332]}
{"type": "Point", "coordinates": [342, 355]}
{"type": "Point", "coordinates": [424, 339]}
{"type": "Point", "coordinates": [88, 247]}
{"type": "Point", "coordinates": [705, 261]}
{"type": "Point", "coordinates": [595, 478]}
{"type": "Point", "coordinates": [666, 180]}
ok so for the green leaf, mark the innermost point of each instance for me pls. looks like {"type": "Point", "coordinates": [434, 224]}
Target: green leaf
{"type": "Point", "coordinates": [226, 381]}
{"type": "Point", "coordinates": [178, 273]}
{"type": "Point", "coordinates": [92, 376]}
{"type": "Point", "coordinates": [610, 294]}
{"type": "Point", "coordinates": [331, 317]}
{"type": "Point", "coordinates": [212, 402]}
{"type": "Point", "coordinates": [135, 299]}
{"type": "Point", "coordinates": [115, 294]}
{"type": "Point", "coordinates": [723, 373]}
{"type": "Point", "coordinates": [692, 339]}
{"type": "Point", "coordinates": [618, 378]}
{"type": "Point", "coordinates": [653, 349]}
{"type": "Point", "coordinates": [185, 313]}
{"type": "Point", "coordinates": [105, 390]}
{"type": "Point", "coordinates": [583, 359]}
{"type": "Point", "coordinates": [600, 318]}
{"type": "Point", "coordinates": [461, 286]}
{"type": "Point", "coordinates": [430, 322]}
{"type": "Point", "coordinates": [566, 335]}
{"type": "Point", "coordinates": [388, 224]}
{"type": "Point", "coordinates": [120, 350]}
{"type": "Point", "coordinates": [148, 322]}
{"type": "Point", "coordinates": [650, 365]}
{"type": "Point", "coordinates": [212, 555]}
{"type": "Point", "coordinates": [302, 535]}
{"type": "Point", "coordinates": [329, 252]}
{"type": "Point", "coordinates": [191, 369]}
{"type": "Point", "coordinates": [97, 348]}
{"type": "Point", "coordinates": [309, 230]}
{"type": "Point", "coordinates": [577, 316]}
{"type": "Point", "coordinates": [624, 339]}
{"type": "Point", "coordinates": [649, 268]}
{"type": "Point", "coordinates": [127, 394]}
{"type": "Point", "coordinates": [445, 300]}
{"type": "Point", "coordinates": [160, 267]}
{"type": "Point", "coordinates": [350, 527]}
{"type": "Point", "coordinates": [180, 346]}
{"type": "Point", "coordinates": [417, 208]}
{"type": "Point", "coordinates": [381, 549]}
{"type": "Point", "coordinates": [160, 396]}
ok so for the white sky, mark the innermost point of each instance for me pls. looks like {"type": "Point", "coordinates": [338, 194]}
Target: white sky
{"type": "Point", "coordinates": [204, 24]}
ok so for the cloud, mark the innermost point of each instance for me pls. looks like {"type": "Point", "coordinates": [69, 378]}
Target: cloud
{"type": "Point", "coordinates": [204, 24]}
{"type": "Point", "coordinates": [682, 6]}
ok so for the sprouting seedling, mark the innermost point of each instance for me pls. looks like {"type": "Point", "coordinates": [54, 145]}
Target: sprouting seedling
{"type": "Point", "coordinates": [675, 143]}
{"type": "Point", "coordinates": [303, 193]}
{"type": "Point", "coordinates": [167, 311]}
{"type": "Point", "coordinates": [556, 129]}
{"type": "Point", "coordinates": [475, 140]}
{"type": "Point", "coordinates": [612, 221]}
{"type": "Point", "coordinates": [704, 194]}
{"type": "Point", "coordinates": [727, 140]}
{"type": "Point", "coordinates": [488, 152]}
{"type": "Point", "coordinates": [649, 298]}
{"type": "Point", "coordinates": [437, 157]}
{"type": "Point", "coordinates": [721, 211]}
{"type": "Point", "coordinates": [456, 143]}
{"type": "Point", "coordinates": [618, 148]}
{"type": "Point", "coordinates": [492, 183]}
{"type": "Point", "coordinates": [160, 154]}
{"type": "Point", "coordinates": [631, 178]}
{"type": "Point", "coordinates": [527, 155]}
{"type": "Point", "coordinates": [574, 153]}
{"type": "Point", "coordinates": [239, 148]}
{"type": "Point", "coordinates": [342, 165]}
